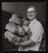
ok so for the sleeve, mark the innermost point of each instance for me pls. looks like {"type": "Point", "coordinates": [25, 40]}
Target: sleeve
{"type": "Point", "coordinates": [37, 32]}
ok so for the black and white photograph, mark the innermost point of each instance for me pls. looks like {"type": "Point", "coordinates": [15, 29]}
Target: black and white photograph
{"type": "Point", "coordinates": [23, 26]}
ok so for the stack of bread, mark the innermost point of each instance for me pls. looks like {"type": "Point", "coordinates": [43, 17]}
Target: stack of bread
{"type": "Point", "coordinates": [16, 31]}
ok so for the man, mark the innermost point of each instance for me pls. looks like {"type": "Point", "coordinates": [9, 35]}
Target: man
{"type": "Point", "coordinates": [37, 32]}
{"type": "Point", "coordinates": [36, 29]}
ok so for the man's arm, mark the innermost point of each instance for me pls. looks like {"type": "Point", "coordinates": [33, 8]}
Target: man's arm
{"type": "Point", "coordinates": [27, 42]}
{"type": "Point", "coordinates": [36, 35]}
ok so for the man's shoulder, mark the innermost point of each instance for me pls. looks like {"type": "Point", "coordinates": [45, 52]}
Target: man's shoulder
{"type": "Point", "coordinates": [38, 23]}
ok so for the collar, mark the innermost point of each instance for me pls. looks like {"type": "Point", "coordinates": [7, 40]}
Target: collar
{"type": "Point", "coordinates": [33, 21]}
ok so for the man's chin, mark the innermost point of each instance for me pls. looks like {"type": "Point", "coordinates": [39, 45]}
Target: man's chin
{"type": "Point", "coordinates": [30, 18]}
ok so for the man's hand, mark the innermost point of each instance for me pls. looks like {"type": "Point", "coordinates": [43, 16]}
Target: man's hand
{"type": "Point", "coordinates": [26, 42]}
{"type": "Point", "coordinates": [18, 44]}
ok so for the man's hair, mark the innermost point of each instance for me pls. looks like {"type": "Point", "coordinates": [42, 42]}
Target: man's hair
{"type": "Point", "coordinates": [32, 7]}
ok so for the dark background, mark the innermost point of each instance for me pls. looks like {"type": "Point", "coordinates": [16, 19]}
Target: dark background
{"type": "Point", "coordinates": [8, 8]}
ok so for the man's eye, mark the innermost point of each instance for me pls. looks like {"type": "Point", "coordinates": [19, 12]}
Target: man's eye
{"type": "Point", "coordinates": [31, 12]}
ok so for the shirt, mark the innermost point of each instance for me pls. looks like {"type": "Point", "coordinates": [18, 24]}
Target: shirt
{"type": "Point", "coordinates": [37, 32]}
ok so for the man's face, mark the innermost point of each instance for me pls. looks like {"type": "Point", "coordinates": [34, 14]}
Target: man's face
{"type": "Point", "coordinates": [31, 13]}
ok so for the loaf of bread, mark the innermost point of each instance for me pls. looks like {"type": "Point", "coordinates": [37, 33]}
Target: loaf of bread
{"type": "Point", "coordinates": [26, 28]}
{"type": "Point", "coordinates": [8, 35]}
{"type": "Point", "coordinates": [16, 19]}
{"type": "Point", "coordinates": [15, 31]}
{"type": "Point", "coordinates": [21, 31]}
{"type": "Point", "coordinates": [12, 27]}
{"type": "Point", "coordinates": [26, 22]}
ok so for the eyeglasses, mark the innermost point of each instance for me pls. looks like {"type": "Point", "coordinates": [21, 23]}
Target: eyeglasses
{"type": "Point", "coordinates": [31, 12]}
